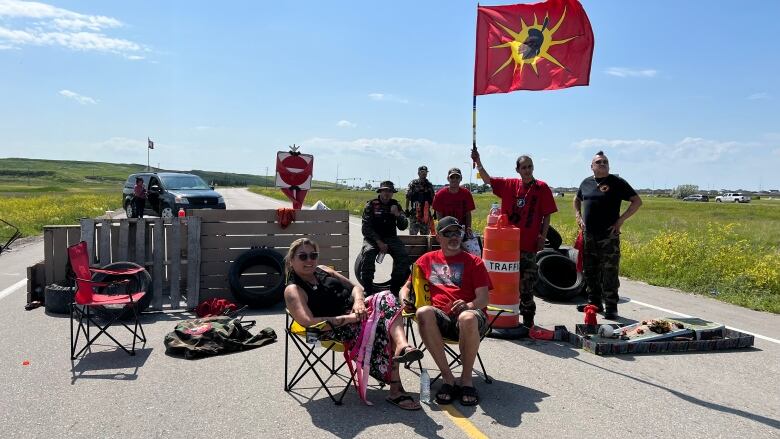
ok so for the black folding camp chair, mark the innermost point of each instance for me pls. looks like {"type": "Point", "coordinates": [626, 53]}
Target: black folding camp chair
{"type": "Point", "coordinates": [314, 358]}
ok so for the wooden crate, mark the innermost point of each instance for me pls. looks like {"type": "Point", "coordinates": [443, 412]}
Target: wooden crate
{"type": "Point", "coordinates": [227, 234]}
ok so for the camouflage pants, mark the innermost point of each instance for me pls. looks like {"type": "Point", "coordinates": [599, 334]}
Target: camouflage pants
{"type": "Point", "coordinates": [529, 273]}
{"type": "Point", "coordinates": [416, 228]}
{"type": "Point", "coordinates": [601, 264]}
{"type": "Point", "coordinates": [401, 263]}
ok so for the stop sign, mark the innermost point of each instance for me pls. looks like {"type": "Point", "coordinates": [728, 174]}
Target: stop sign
{"type": "Point", "coordinates": [294, 170]}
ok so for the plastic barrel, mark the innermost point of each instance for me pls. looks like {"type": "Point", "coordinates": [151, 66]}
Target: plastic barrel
{"type": "Point", "coordinates": [501, 253]}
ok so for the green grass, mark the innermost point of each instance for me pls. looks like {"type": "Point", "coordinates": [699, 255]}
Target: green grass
{"type": "Point", "coordinates": [726, 251]}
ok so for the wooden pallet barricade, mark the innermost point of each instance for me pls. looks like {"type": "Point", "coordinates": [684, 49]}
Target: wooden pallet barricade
{"type": "Point", "coordinates": [227, 234]}
{"type": "Point", "coordinates": [168, 249]}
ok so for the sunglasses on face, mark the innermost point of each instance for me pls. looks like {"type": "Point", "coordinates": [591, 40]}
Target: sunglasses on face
{"type": "Point", "coordinates": [451, 233]}
{"type": "Point", "coordinates": [601, 162]}
{"type": "Point", "coordinates": [454, 177]}
{"type": "Point", "coordinates": [306, 256]}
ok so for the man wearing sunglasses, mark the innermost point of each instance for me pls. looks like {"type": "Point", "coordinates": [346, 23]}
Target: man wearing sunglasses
{"type": "Point", "coordinates": [597, 211]}
{"type": "Point", "coordinates": [528, 203]}
{"type": "Point", "coordinates": [419, 193]}
{"type": "Point", "coordinates": [381, 217]}
{"type": "Point", "coordinates": [459, 285]}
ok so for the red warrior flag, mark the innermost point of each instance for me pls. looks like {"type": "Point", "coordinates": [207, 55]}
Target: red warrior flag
{"type": "Point", "coordinates": [543, 46]}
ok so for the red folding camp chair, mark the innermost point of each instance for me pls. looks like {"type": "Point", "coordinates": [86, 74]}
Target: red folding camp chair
{"type": "Point", "coordinates": [89, 294]}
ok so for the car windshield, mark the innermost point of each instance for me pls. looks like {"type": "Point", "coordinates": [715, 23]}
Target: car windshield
{"type": "Point", "coordinates": [184, 182]}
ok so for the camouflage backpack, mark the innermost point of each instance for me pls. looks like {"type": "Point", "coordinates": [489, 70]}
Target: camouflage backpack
{"type": "Point", "coordinates": [213, 336]}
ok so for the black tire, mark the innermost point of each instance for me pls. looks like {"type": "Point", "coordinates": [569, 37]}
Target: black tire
{"type": "Point", "coordinates": [57, 299]}
{"type": "Point", "coordinates": [141, 281]}
{"type": "Point", "coordinates": [255, 296]}
{"type": "Point", "coordinates": [376, 287]}
{"type": "Point", "coordinates": [554, 239]}
{"type": "Point", "coordinates": [129, 209]}
{"type": "Point", "coordinates": [545, 252]}
{"type": "Point", "coordinates": [558, 278]}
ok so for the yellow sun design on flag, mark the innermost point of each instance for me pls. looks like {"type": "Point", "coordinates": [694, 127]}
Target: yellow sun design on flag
{"type": "Point", "coordinates": [531, 44]}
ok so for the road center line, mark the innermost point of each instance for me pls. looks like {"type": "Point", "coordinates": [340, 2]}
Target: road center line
{"type": "Point", "coordinates": [461, 422]}
{"type": "Point", "coordinates": [12, 288]}
{"type": "Point", "coordinates": [763, 337]}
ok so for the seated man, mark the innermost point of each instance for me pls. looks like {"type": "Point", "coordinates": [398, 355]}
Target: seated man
{"type": "Point", "coordinates": [459, 286]}
{"type": "Point", "coordinates": [381, 217]}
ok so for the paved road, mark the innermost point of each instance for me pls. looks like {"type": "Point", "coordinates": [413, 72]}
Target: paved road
{"type": "Point", "coordinates": [541, 389]}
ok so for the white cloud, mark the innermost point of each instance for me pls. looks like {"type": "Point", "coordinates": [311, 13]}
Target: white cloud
{"type": "Point", "coordinates": [40, 24]}
{"type": "Point", "coordinates": [624, 72]}
{"type": "Point", "coordinates": [122, 145]}
{"type": "Point", "coordinates": [692, 149]}
{"type": "Point", "coordinates": [345, 124]}
{"type": "Point", "coordinates": [387, 98]}
{"type": "Point", "coordinates": [396, 148]}
{"type": "Point", "coordinates": [759, 96]}
{"type": "Point", "coordinates": [83, 100]}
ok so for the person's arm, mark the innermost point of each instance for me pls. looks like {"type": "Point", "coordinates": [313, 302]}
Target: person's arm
{"type": "Point", "coordinates": [400, 219]}
{"type": "Point", "coordinates": [636, 203]}
{"type": "Point", "coordinates": [296, 304]}
{"type": "Point", "coordinates": [543, 232]}
{"type": "Point", "coordinates": [467, 222]}
{"type": "Point", "coordinates": [481, 300]}
{"type": "Point", "coordinates": [578, 213]}
{"type": "Point", "coordinates": [404, 295]}
{"type": "Point", "coordinates": [358, 294]}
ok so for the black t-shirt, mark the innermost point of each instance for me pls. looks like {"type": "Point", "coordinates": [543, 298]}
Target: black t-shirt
{"type": "Point", "coordinates": [601, 200]}
{"type": "Point", "coordinates": [330, 298]}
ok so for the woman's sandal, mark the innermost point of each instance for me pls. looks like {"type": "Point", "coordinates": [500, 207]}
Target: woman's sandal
{"type": "Point", "coordinates": [409, 354]}
{"type": "Point", "coordinates": [447, 394]}
{"type": "Point", "coordinates": [397, 401]}
{"type": "Point", "coordinates": [471, 393]}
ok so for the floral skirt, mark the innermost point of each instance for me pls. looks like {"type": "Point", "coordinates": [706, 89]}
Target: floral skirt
{"type": "Point", "coordinates": [371, 337]}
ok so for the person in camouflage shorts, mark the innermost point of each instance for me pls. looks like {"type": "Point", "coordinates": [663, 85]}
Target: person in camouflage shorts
{"type": "Point", "coordinates": [529, 274]}
{"type": "Point", "coordinates": [597, 211]}
{"type": "Point", "coordinates": [420, 190]}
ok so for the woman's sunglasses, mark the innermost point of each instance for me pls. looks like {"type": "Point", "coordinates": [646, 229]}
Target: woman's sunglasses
{"type": "Point", "coordinates": [306, 256]}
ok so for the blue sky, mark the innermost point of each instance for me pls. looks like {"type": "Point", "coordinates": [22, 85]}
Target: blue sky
{"type": "Point", "coordinates": [680, 92]}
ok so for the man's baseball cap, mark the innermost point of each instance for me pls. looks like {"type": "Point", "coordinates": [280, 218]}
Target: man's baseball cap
{"type": "Point", "coordinates": [447, 222]}
{"type": "Point", "coordinates": [423, 168]}
{"type": "Point", "coordinates": [454, 171]}
{"type": "Point", "coordinates": [387, 184]}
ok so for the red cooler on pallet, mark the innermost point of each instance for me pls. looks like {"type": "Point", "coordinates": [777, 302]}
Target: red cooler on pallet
{"type": "Point", "coordinates": [501, 253]}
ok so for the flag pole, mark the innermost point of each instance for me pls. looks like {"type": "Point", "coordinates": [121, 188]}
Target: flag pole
{"type": "Point", "coordinates": [147, 154]}
{"type": "Point", "coordinates": [474, 99]}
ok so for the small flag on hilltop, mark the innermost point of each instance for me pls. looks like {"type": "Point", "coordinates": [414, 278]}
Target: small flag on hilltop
{"type": "Point", "coordinates": [541, 46]}
{"type": "Point", "coordinates": [150, 143]}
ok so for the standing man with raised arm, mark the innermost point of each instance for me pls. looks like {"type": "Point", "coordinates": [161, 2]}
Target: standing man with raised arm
{"type": "Point", "coordinates": [597, 210]}
{"type": "Point", "coordinates": [528, 203]}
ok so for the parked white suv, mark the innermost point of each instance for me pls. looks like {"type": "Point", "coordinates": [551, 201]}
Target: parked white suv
{"type": "Point", "coordinates": [732, 197]}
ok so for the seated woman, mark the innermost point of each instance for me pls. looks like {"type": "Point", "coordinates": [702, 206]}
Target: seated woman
{"type": "Point", "coordinates": [316, 294]}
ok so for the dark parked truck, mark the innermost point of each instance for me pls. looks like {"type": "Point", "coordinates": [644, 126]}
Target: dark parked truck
{"type": "Point", "coordinates": [167, 192]}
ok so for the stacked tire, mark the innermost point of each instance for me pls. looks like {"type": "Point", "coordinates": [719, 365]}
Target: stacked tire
{"type": "Point", "coordinates": [141, 281]}
{"type": "Point", "coordinates": [558, 276]}
{"type": "Point", "coordinates": [258, 296]}
{"type": "Point", "coordinates": [376, 286]}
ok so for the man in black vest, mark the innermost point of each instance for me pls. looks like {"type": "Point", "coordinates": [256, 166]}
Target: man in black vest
{"type": "Point", "coordinates": [597, 210]}
{"type": "Point", "coordinates": [381, 217]}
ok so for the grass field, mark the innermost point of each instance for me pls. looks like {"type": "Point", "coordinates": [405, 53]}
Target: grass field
{"type": "Point", "coordinates": [726, 251]}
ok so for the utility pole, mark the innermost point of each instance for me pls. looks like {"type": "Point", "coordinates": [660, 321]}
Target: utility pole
{"type": "Point", "coordinates": [265, 180]}
{"type": "Point", "coordinates": [337, 175]}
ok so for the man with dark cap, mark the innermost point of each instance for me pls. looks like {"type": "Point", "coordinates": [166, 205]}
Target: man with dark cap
{"type": "Point", "coordinates": [597, 211]}
{"type": "Point", "coordinates": [459, 285]}
{"type": "Point", "coordinates": [381, 217]}
{"type": "Point", "coordinates": [420, 191]}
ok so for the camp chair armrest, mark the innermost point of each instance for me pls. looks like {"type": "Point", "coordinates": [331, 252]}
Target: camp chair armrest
{"type": "Point", "coordinates": [498, 310]}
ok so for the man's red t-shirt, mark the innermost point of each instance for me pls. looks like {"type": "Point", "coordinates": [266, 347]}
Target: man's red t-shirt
{"type": "Point", "coordinates": [456, 204]}
{"type": "Point", "coordinates": [452, 278]}
{"type": "Point", "coordinates": [525, 205]}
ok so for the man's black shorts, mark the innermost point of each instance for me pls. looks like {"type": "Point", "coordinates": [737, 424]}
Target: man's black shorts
{"type": "Point", "coordinates": [449, 327]}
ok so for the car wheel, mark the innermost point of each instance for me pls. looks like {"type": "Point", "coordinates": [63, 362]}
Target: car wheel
{"type": "Point", "coordinates": [129, 210]}
{"type": "Point", "coordinates": [717, 200]}
{"type": "Point", "coordinates": [166, 212]}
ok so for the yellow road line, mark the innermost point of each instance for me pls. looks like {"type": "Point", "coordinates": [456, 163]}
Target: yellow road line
{"type": "Point", "coordinates": [464, 424]}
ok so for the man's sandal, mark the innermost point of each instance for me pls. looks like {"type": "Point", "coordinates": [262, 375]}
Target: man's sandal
{"type": "Point", "coordinates": [447, 394]}
{"type": "Point", "coordinates": [471, 393]}
{"type": "Point", "coordinates": [409, 354]}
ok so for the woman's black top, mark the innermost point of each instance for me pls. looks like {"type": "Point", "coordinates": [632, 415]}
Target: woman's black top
{"type": "Point", "coordinates": [329, 297]}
